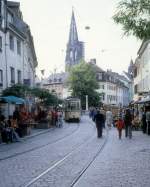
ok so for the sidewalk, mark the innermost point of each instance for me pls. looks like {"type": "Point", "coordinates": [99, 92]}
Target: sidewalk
{"type": "Point", "coordinates": [34, 132]}
{"type": "Point", "coordinates": [122, 163]}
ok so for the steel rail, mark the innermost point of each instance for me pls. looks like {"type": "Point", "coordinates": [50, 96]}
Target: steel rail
{"type": "Point", "coordinates": [56, 164]}
{"type": "Point", "coordinates": [90, 163]}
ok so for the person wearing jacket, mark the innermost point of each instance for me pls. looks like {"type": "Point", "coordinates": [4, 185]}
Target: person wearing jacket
{"type": "Point", "coordinates": [120, 126]}
{"type": "Point", "coordinates": [99, 120]}
{"type": "Point", "coordinates": [128, 123]}
{"type": "Point", "coordinates": [148, 120]}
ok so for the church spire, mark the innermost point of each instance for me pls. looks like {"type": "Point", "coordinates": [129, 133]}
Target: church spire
{"type": "Point", "coordinates": [73, 35]}
{"type": "Point", "coordinates": [75, 48]}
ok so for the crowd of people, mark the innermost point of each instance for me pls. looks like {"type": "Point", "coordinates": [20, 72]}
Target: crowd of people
{"type": "Point", "coordinates": [13, 128]}
{"type": "Point", "coordinates": [126, 119]}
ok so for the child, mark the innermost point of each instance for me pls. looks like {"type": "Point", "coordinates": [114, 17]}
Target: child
{"type": "Point", "coordinates": [120, 126]}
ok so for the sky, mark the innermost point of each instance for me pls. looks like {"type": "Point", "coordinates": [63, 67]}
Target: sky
{"type": "Point", "coordinates": [49, 21]}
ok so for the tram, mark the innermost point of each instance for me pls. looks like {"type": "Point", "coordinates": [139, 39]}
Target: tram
{"type": "Point", "coordinates": [72, 109]}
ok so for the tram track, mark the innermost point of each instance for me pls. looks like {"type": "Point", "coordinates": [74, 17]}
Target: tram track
{"type": "Point", "coordinates": [41, 146]}
{"type": "Point", "coordinates": [75, 181]}
{"type": "Point", "coordinates": [62, 160]}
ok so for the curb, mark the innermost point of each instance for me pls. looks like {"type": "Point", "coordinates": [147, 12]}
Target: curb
{"type": "Point", "coordinates": [37, 134]}
{"type": "Point", "coordinates": [33, 135]}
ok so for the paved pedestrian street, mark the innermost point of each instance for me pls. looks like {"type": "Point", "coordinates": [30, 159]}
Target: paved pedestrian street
{"type": "Point", "coordinates": [122, 163]}
{"type": "Point", "coordinates": [74, 156]}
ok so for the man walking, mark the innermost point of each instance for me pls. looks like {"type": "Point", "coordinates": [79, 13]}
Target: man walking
{"type": "Point", "coordinates": [128, 123]}
{"type": "Point", "coordinates": [99, 120]}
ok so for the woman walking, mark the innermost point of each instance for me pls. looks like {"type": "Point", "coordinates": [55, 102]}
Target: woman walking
{"type": "Point", "coordinates": [120, 126]}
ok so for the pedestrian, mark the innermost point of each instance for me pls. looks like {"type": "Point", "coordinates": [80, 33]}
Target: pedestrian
{"type": "Point", "coordinates": [99, 120]}
{"type": "Point", "coordinates": [148, 120]}
{"type": "Point", "coordinates": [128, 123]}
{"type": "Point", "coordinates": [93, 113]}
{"type": "Point", "coordinates": [144, 123]}
{"type": "Point", "coordinates": [109, 118]}
{"type": "Point", "coordinates": [60, 118]}
{"type": "Point", "coordinates": [120, 126]}
{"type": "Point", "coordinates": [49, 117]}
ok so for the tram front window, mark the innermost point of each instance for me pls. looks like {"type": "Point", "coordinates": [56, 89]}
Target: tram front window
{"type": "Point", "coordinates": [73, 106]}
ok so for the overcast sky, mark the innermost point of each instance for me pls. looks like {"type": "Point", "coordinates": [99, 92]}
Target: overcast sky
{"type": "Point", "coordinates": [49, 21]}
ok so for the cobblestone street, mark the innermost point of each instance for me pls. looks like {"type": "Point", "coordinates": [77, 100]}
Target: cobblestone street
{"type": "Point", "coordinates": [122, 163]}
{"type": "Point", "coordinates": [57, 157]}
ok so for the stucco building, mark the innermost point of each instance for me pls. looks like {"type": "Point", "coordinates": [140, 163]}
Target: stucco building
{"type": "Point", "coordinates": [142, 72]}
{"type": "Point", "coordinates": [17, 53]}
{"type": "Point", "coordinates": [111, 86]}
{"type": "Point", "coordinates": [57, 85]}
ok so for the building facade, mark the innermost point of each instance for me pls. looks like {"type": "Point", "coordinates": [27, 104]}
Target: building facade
{"type": "Point", "coordinates": [111, 87]}
{"type": "Point", "coordinates": [56, 84]}
{"type": "Point", "coordinates": [17, 54]}
{"type": "Point", "coordinates": [142, 72]}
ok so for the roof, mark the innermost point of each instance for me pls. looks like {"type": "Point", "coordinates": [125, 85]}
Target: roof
{"type": "Point", "coordinates": [144, 100]}
{"type": "Point", "coordinates": [143, 47]}
{"type": "Point", "coordinates": [96, 68]}
{"type": "Point", "coordinates": [56, 78]}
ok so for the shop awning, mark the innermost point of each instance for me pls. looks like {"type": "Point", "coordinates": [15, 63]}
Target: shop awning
{"type": "Point", "coordinates": [13, 99]}
{"type": "Point", "coordinates": [142, 101]}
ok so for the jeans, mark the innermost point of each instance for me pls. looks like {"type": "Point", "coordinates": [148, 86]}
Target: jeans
{"type": "Point", "coordinates": [128, 131]}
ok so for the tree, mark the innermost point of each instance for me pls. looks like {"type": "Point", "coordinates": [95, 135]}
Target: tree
{"type": "Point", "coordinates": [82, 82]}
{"type": "Point", "coordinates": [17, 90]}
{"type": "Point", "coordinates": [23, 91]}
{"type": "Point", "coordinates": [134, 16]}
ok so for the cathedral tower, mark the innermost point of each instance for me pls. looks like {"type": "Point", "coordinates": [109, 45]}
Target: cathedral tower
{"type": "Point", "coordinates": [75, 48]}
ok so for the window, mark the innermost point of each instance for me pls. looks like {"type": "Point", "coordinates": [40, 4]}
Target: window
{"type": "Point", "coordinates": [10, 18]}
{"type": "Point", "coordinates": [11, 42]}
{"type": "Point", "coordinates": [135, 72]}
{"type": "Point", "coordinates": [18, 47]}
{"type": "Point", "coordinates": [1, 77]}
{"type": "Point", "coordinates": [136, 89]}
{"type": "Point", "coordinates": [19, 76]}
{"type": "Point", "coordinates": [102, 86]}
{"type": "Point", "coordinates": [12, 75]}
{"type": "Point", "coordinates": [0, 43]}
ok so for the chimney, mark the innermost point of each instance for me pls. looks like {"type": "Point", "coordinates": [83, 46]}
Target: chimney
{"type": "Point", "coordinates": [93, 61]}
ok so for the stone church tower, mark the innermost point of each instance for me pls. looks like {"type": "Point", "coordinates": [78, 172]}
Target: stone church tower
{"type": "Point", "coordinates": [75, 48]}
